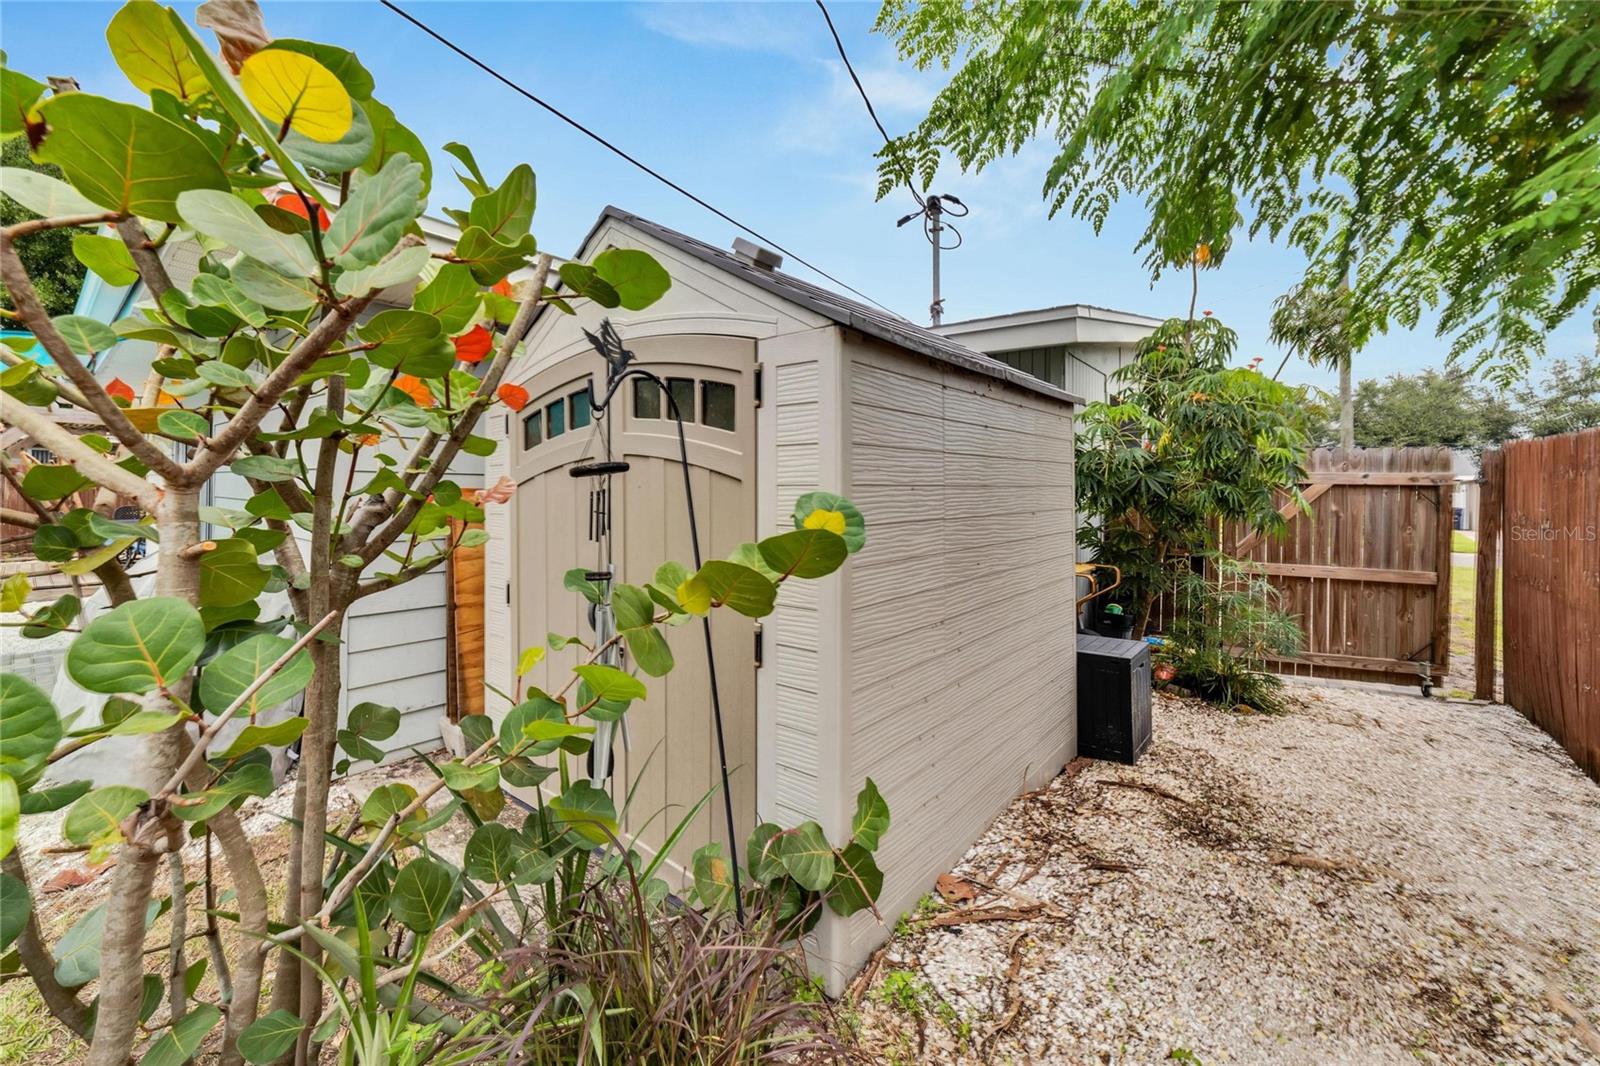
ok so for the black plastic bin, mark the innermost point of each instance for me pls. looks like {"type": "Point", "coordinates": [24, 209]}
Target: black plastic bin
{"type": "Point", "coordinates": [1113, 698]}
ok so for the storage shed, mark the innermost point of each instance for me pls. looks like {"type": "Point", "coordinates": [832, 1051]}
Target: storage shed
{"type": "Point", "coordinates": [939, 661]}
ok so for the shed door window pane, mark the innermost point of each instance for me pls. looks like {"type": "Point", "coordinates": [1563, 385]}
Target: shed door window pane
{"type": "Point", "coordinates": [578, 403]}
{"type": "Point", "coordinates": [530, 429]}
{"type": "Point", "coordinates": [555, 419]}
{"type": "Point", "coordinates": [716, 404]}
{"type": "Point", "coordinates": [683, 393]}
{"type": "Point", "coordinates": [646, 399]}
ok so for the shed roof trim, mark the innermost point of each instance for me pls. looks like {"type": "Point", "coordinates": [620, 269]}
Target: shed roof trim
{"type": "Point", "coordinates": [865, 319]}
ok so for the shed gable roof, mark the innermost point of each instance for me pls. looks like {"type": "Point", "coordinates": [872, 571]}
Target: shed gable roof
{"type": "Point", "coordinates": [861, 317]}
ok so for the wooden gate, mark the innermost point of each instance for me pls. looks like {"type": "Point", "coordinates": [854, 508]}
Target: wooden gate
{"type": "Point", "coordinates": [1549, 546]}
{"type": "Point", "coordinates": [1367, 572]}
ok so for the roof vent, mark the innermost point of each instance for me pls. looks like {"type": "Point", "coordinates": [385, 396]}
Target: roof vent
{"type": "Point", "coordinates": [757, 256]}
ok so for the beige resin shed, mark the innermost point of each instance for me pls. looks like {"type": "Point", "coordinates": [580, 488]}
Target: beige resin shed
{"type": "Point", "coordinates": [939, 661]}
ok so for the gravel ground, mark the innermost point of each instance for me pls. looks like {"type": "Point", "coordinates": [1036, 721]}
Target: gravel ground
{"type": "Point", "coordinates": [1372, 878]}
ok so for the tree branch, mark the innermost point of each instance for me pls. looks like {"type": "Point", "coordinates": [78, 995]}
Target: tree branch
{"type": "Point", "coordinates": [37, 319]}
{"type": "Point", "coordinates": [152, 271]}
{"type": "Point", "coordinates": [19, 518]}
{"type": "Point", "coordinates": [390, 581]}
{"type": "Point", "coordinates": [64, 1004]}
{"type": "Point", "coordinates": [39, 225]}
{"type": "Point", "coordinates": [90, 463]}
{"type": "Point", "coordinates": [220, 448]}
{"type": "Point", "coordinates": [468, 420]}
{"type": "Point", "coordinates": [179, 894]}
{"type": "Point", "coordinates": [251, 892]}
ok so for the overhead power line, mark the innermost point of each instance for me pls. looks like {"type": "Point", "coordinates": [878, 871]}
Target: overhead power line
{"type": "Point", "coordinates": [862, 89]}
{"type": "Point", "coordinates": [931, 209]}
{"type": "Point", "coordinates": [621, 153]}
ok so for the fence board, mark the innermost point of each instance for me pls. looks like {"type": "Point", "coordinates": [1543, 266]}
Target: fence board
{"type": "Point", "coordinates": [1491, 514]}
{"type": "Point", "coordinates": [1551, 562]}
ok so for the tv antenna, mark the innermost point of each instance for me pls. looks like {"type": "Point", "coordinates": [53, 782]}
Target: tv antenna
{"type": "Point", "coordinates": [932, 212]}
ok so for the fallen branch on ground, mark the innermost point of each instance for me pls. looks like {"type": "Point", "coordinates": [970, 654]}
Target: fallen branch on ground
{"type": "Point", "coordinates": [992, 914]}
{"type": "Point", "coordinates": [1142, 786]}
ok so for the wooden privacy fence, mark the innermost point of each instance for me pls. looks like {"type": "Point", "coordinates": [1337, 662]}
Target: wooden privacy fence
{"type": "Point", "coordinates": [1540, 507]}
{"type": "Point", "coordinates": [1367, 572]}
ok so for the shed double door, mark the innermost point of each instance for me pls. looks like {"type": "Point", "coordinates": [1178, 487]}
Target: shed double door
{"type": "Point", "coordinates": [666, 756]}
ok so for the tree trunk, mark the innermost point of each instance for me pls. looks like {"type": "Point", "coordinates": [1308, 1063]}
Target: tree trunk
{"type": "Point", "coordinates": [122, 939]}
{"type": "Point", "coordinates": [329, 590]}
{"type": "Point", "coordinates": [1347, 409]}
{"type": "Point", "coordinates": [251, 893]}
{"type": "Point", "coordinates": [316, 775]}
{"type": "Point", "coordinates": [34, 952]}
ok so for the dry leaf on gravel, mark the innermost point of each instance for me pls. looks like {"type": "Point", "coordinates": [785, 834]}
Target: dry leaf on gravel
{"type": "Point", "coordinates": [953, 889]}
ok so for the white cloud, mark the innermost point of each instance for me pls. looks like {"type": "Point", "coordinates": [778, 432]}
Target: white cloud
{"type": "Point", "coordinates": [832, 115]}
{"type": "Point", "coordinates": [746, 27]}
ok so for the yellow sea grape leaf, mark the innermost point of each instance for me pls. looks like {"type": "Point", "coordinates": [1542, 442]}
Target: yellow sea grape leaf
{"type": "Point", "coordinates": [832, 521]}
{"type": "Point", "coordinates": [297, 92]}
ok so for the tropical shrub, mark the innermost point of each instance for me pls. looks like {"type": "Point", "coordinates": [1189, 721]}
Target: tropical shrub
{"type": "Point", "coordinates": [1186, 447]}
{"type": "Point", "coordinates": [1228, 624]}
{"type": "Point", "coordinates": [303, 192]}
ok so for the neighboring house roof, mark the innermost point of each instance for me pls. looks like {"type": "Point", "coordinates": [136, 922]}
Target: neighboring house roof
{"type": "Point", "coordinates": [1059, 313]}
{"type": "Point", "coordinates": [872, 321]}
{"type": "Point", "coordinates": [1071, 326]}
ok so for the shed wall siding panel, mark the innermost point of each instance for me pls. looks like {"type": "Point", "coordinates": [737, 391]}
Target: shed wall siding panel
{"type": "Point", "coordinates": [962, 651]}
{"type": "Point", "coordinates": [788, 764]}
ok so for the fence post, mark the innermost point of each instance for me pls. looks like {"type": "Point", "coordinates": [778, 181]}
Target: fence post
{"type": "Point", "coordinates": [1491, 522]}
{"type": "Point", "coordinates": [1441, 607]}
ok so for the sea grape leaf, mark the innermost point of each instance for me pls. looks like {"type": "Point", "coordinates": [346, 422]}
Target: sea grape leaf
{"type": "Point", "coordinates": [138, 646]}
{"type": "Point", "coordinates": [125, 158]}
{"type": "Point", "coordinates": [372, 220]}
{"type": "Point", "coordinates": [227, 676]}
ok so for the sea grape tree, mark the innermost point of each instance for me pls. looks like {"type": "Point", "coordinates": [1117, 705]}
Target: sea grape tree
{"type": "Point", "coordinates": [339, 360]}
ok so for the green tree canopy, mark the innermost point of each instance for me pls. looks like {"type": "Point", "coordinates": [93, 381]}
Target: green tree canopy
{"type": "Point", "coordinates": [1439, 155]}
{"type": "Point", "coordinates": [57, 276]}
{"type": "Point", "coordinates": [1187, 445]}
{"type": "Point", "coordinates": [1566, 400]}
{"type": "Point", "coordinates": [1430, 408]}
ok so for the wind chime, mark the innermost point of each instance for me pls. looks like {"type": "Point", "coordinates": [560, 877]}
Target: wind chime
{"type": "Point", "coordinates": [599, 473]}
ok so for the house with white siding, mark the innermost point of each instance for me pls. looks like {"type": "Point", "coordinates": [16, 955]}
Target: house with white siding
{"type": "Point", "coordinates": [939, 661]}
{"type": "Point", "coordinates": [1076, 347]}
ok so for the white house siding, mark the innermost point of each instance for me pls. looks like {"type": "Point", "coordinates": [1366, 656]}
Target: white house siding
{"type": "Point", "coordinates": [498, 613]}
{"type": "Point", "coordinates": [394, 641]}
{"type": "Point", "coordinates": [1089, 374]}
{"type": "Point", "coordinates": [967, 488]}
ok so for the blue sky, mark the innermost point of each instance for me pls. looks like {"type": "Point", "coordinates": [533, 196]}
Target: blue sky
{"type": "Point", "coordinates": [748, 106]}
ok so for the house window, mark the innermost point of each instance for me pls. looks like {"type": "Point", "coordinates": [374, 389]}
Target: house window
{"type": "Point", "coordinates": [646, 399]}
{"type": "Point", "coordinates": [555, 420]}
{"type": "Point", "coordinates": [530, 429]}
{"type": "Point", "coordinates": [716, 405]}
{"type": "Point", "coordinates": [40, 454]}
{"type": "Point", "coordinates": [578, 404]}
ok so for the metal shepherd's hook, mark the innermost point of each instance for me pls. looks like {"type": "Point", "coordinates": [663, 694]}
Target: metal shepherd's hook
{"type": "Point", "coordinates": [618, 358]}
